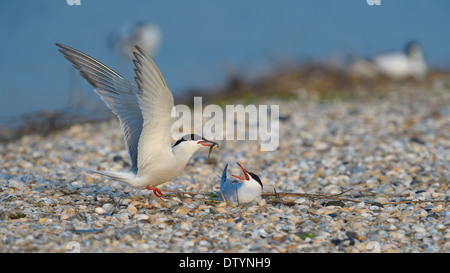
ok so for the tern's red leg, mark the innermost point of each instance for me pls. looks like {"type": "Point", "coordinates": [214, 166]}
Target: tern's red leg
{"type": "Point", "coordinates": [157, 192]}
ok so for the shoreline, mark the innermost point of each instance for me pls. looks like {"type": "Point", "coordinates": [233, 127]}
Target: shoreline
{"type": "Point", "coordinates": [316, 81]}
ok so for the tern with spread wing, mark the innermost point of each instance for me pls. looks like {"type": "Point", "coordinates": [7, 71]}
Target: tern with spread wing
{"type": "Point", "coordinates": [244, 190]}
{"type": "Point", "coordinates": [144, 112]}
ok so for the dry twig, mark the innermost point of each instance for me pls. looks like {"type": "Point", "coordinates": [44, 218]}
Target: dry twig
{"type": "Point", "coordinates": [279, 195]}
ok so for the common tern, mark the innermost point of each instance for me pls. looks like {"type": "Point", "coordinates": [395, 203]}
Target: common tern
{"type": "Point", "coordinates": [395, 65]}
{"type": "Point", "coordinates": [398, 65]}
{"type": "Point", "coordinates": [144, 112]}
{"type": "Point", "coordinates": [147, 35]}
{"type": "Point", "coordinates": [244, 190]}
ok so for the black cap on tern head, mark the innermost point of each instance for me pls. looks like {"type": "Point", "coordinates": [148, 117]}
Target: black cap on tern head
{"type": "Point", "coordinates": [254, 176]}
{"type": "Point", "coordinates": [189, 137]}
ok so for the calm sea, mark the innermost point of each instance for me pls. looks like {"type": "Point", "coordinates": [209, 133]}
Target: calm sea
{"type": "Point", "coordinates": [203, 40]}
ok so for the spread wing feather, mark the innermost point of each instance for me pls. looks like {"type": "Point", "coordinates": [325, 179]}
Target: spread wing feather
{"type": "Point", "coordinates": [156, 103]}
{"type": "Point", "coordinates": [120, 95]}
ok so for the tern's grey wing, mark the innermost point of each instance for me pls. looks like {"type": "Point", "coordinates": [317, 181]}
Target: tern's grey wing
{"type": "Point", "coordinates": [119, 95]}
{"type": "Point", "coordinates": [228, 187]}
{"type": "Point", "coordinates": [156, 103]}
{"type": "Point", "coordinates": [223, 178]}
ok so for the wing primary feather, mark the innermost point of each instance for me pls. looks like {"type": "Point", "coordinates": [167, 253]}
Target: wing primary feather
{"type": "Point", "coordinates": [120, 95]}
{"type": "Point", "coordinates": [146, 56]}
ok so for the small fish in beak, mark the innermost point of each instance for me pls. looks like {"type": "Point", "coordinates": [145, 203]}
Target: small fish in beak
{"type": "Point", "coordinates": [212, 147]}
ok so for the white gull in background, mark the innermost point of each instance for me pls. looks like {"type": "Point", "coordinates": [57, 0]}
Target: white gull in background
{"type": "Point", "coordinates": [395, 65]}
{"type": "Point", "coordinates": [146, 35]}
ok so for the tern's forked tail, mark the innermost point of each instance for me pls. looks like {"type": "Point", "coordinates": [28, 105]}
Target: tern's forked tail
{"type": "Point", "coordinates": [128, 178]}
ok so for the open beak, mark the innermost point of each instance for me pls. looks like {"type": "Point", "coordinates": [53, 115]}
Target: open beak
{"type": "Point", "coordinates": [210, 144]}
{"type": "Point", "coordinates": [247, 177]}
{"type": "Point", "coordinates": [207, 143]}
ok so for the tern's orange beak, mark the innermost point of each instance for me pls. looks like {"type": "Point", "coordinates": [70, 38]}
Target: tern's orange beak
{"type": "Point", "coordinates": [247, 177]}
{"type": "Point", "coordinates": [210, 144]}
{"type": "Point", "coordinates": [207, 143]}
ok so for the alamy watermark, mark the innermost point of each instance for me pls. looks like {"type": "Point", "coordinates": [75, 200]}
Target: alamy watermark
{"type": "Point", "coordinates": [239, 122]}
{"type": "Point", "coordinates": [373, 247]}
{"type": "Point", "coordinates": [73, 247]}
{"type": "Point", "coordinates": [74, 2]}
{"type": "Point", "coordinates": [373, 2]}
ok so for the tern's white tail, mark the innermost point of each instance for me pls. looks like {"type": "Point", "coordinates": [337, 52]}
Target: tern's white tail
{"type": "Point", "coordinates": [128, 178]}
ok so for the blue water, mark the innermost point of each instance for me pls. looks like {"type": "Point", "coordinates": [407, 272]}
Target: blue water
{"type": "Point", "coordinates": [203, 40]}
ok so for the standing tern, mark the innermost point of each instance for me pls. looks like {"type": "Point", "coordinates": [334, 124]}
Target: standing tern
{"type": "Point", "coordinates": [247, 190]}
{"type": "Point", "coordinates": [145, 116]}
{"type": "Point", "coordinates": [395, 65]}
{"type": "Point", "coordinates": [398, 65]}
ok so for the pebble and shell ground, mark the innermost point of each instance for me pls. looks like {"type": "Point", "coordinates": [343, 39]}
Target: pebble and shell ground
{"type": "Point", "coordinates": [371, 175]}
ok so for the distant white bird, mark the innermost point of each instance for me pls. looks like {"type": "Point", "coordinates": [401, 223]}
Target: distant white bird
{"type": "Point", "coordinates": [145, 116]}
{"type": "Point", "coordinates": [395, 65]}
{"type": "Point", "coordinates": [400, 65]}
{"type": "Point", "coordinates": [146, 35]}
{"type": "Point", "coordinates": [247, 190]}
